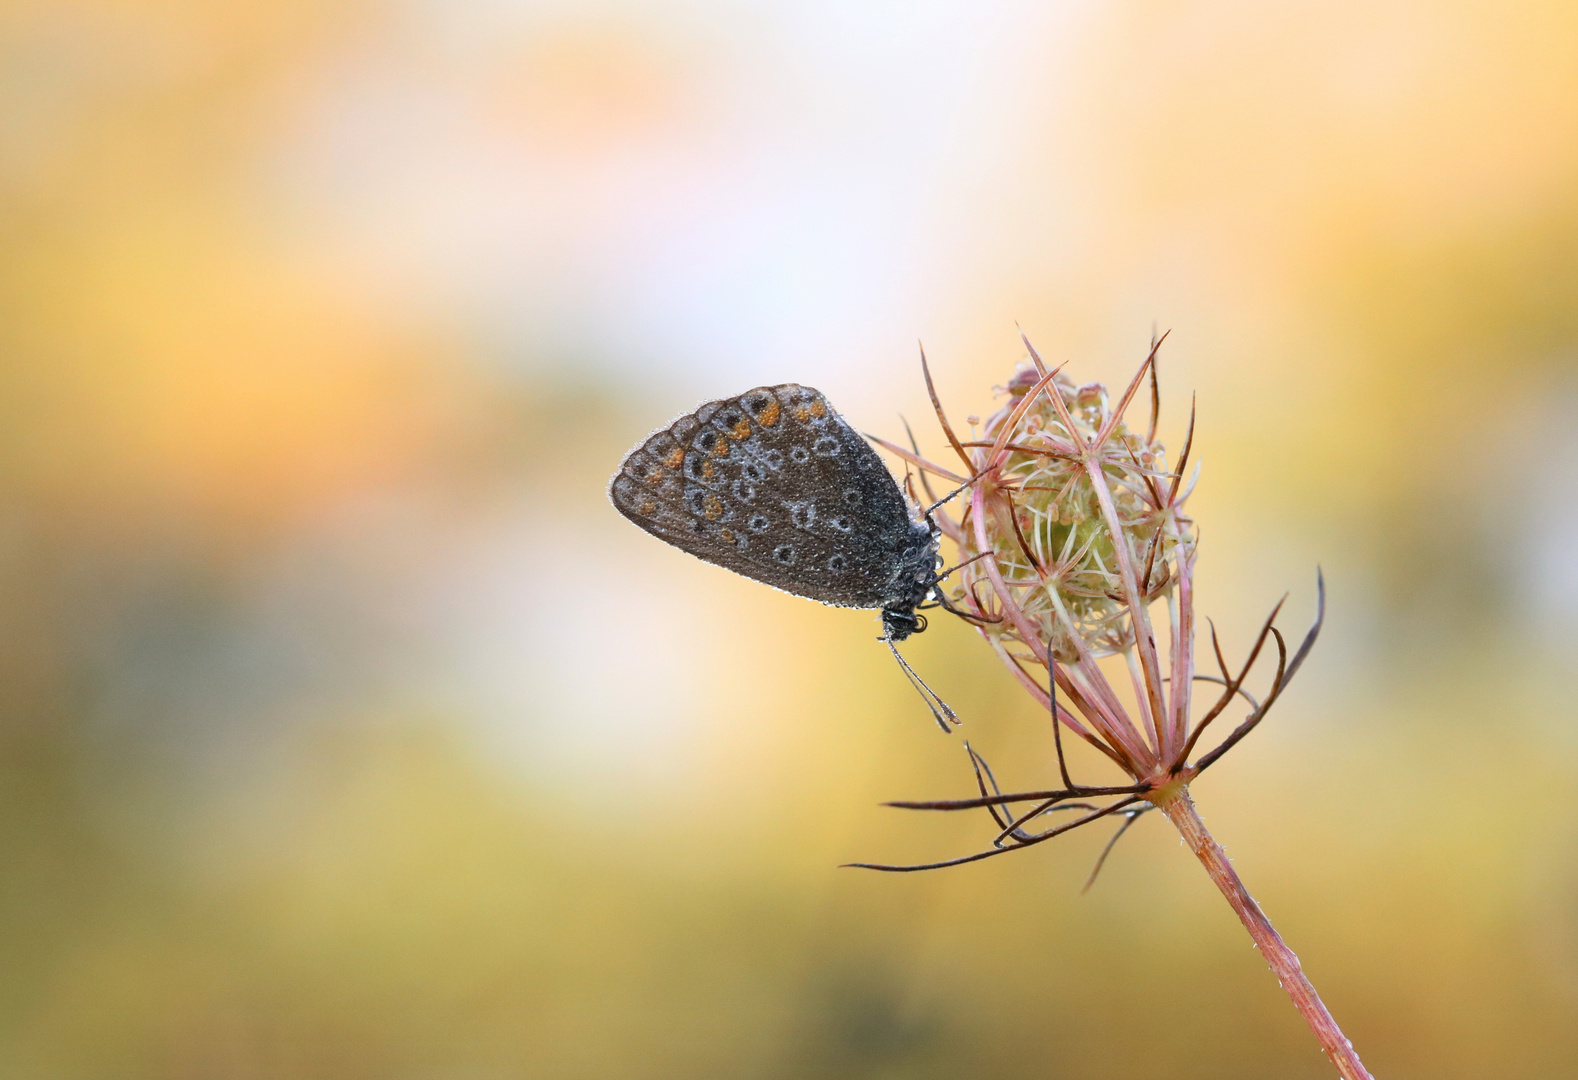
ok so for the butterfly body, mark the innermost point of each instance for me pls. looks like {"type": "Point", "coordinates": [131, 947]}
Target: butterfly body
{"type": "Point", "coordinates": [775, 485]}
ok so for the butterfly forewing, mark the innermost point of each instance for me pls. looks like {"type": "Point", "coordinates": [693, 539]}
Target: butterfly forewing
{"type": "Point", "coordinates": [775, 485]}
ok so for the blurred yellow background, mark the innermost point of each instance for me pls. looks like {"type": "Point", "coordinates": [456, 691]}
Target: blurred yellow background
{"type": "Point", "coordinates": [349, 732]}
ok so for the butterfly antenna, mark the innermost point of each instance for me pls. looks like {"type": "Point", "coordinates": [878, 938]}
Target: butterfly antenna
{"type": "Point", "coordinates": [940, 711]}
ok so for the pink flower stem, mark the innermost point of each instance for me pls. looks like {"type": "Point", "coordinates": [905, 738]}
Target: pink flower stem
{"type": "Point", "coordinates": [1179, 807]}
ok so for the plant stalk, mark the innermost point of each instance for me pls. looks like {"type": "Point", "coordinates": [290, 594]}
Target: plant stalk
{"type": "Point", "coordinates": [1179, 808]}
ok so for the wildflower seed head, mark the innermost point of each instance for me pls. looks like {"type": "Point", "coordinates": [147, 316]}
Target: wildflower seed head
{"type": "Point", "coordinates": [1053, 541]}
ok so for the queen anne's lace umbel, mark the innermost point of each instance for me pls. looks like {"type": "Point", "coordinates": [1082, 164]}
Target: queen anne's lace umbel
{"type": "Point", "coordinates": [1072, 544]}
{"type": "Point", "coordinates": [1049, 539]}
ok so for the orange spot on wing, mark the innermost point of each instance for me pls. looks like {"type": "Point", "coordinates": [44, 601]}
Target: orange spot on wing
{"type": "Point", "coordinates": [742, 430]}
{"type": "Point", "coordinates": [706, 470]}
{"type": "Point", "coordinates": [647, 508]}
{"type": "Point", "coordinates": [769, 415]}
{"type": "Point", "coordinates": [713, 507]}
{"type": "Point", "coordinates": [676, 457]}
{"type": "Point", "coordinates": [818, 410]}
{"type": "Point", "coordinates": [801, 413]}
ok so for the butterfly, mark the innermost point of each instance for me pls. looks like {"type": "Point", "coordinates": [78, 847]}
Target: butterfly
{"type": "Point", "coordinates": [774, 484]}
